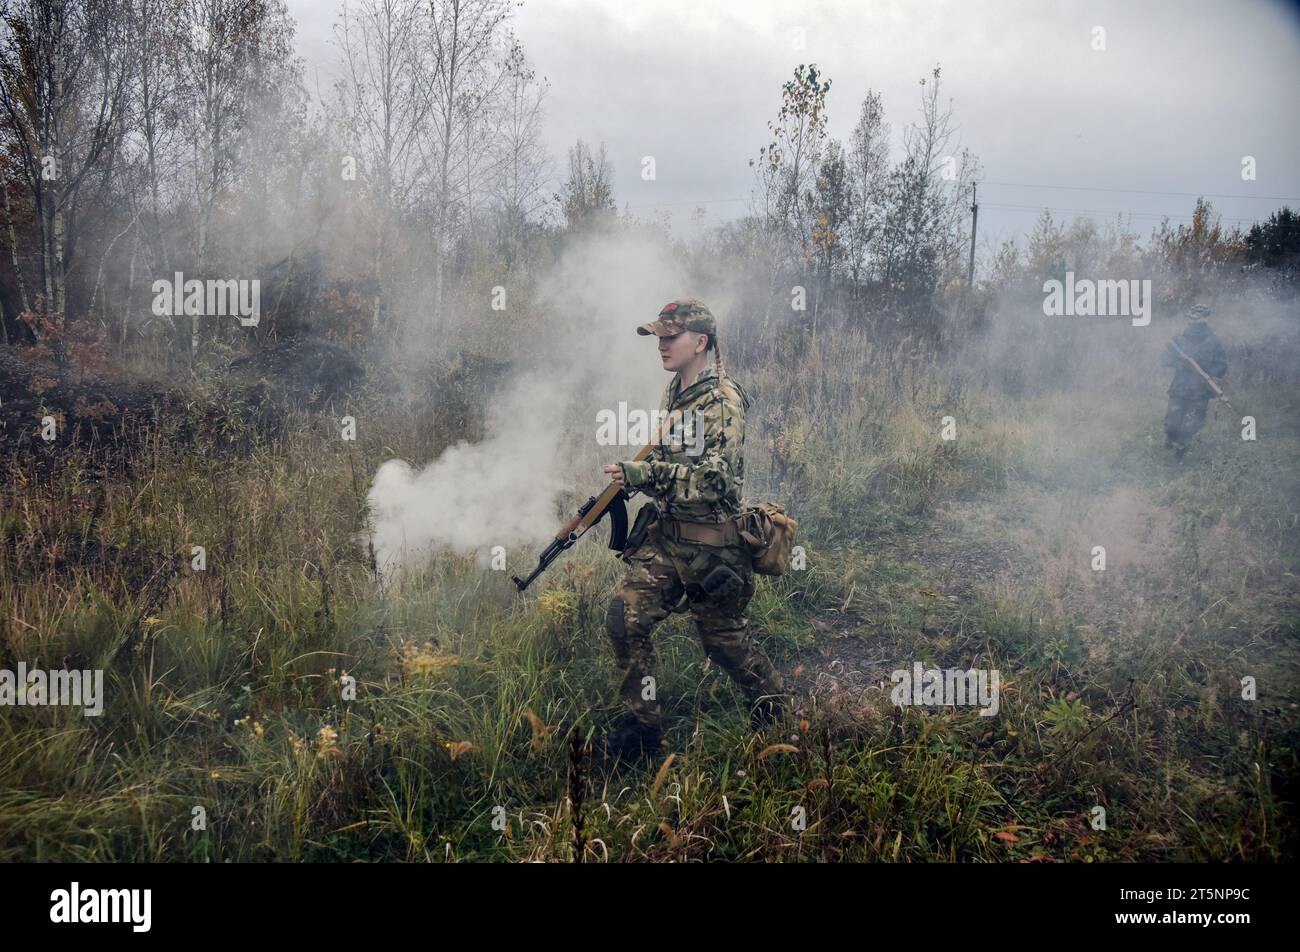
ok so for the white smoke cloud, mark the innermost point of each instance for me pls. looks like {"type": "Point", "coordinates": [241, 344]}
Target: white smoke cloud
{"type": "Point", "coordinates": [475, 495]}
{"type": "Point", "coordinates": [578, 353]}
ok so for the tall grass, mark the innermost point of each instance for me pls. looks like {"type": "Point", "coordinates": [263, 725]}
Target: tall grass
{"type": "Point", "coordinates": [226, 697]}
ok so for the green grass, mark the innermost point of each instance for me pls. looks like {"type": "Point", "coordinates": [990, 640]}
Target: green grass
{"type": "Point", "coordinates": [1120, 689]}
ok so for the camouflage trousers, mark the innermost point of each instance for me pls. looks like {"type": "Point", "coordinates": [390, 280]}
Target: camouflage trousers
{"type": "Point", "coordinates": [1184, 419]}
{"type": "Point", "coordinates": [660, 572]}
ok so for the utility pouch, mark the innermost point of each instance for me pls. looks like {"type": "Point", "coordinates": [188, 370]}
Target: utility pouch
{"type": "Point", "coordinates": [645, 518]}
{"type": "Point", "coordinates": [768, 532]}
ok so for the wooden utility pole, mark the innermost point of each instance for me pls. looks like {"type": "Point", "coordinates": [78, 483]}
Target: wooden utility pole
{"type": "Point", "coordinates": [975, 217]}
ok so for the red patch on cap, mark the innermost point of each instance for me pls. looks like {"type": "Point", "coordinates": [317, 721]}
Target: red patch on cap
{"type": "Point", "coordinates": [669, 308]}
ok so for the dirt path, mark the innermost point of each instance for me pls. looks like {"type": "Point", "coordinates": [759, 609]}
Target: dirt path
{"type": "Point", "coordinates": [1024, 541]}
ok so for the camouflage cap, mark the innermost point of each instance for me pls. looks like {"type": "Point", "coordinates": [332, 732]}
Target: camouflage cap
{"type": "Point", "coordinates": [687, 314]}
{"type": "Point", "coordinates": [1198, 310]}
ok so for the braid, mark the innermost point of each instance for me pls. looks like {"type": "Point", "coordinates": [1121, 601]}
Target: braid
{"type": "Point", "coordinates": [717, 359]}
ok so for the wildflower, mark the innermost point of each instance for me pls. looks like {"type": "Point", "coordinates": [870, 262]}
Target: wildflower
{"type": "Point", "coordinates": [327, 743]}
{"type": "Point", "coordinates": [456, 748]}
{"type": "Point", "coordinates": [422, 662]}
{"type": "Point", "coordinates": [558, 604]}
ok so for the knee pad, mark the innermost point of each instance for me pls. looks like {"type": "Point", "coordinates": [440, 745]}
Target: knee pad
{"type": "Point", "coordinates": [721, 584]}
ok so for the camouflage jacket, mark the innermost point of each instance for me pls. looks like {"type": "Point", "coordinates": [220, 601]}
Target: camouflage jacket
{"type": "Point", "coordinates": [697, 477]}
{"type": "Point", "coordinates": [1199, 343]}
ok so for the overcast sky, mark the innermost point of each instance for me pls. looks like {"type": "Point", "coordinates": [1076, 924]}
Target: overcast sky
{"type": "Point", "coordinates": [1182, 92]}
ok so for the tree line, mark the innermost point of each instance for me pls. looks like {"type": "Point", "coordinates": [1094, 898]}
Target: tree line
{"type": "Point", "coordinates": [145, 138]}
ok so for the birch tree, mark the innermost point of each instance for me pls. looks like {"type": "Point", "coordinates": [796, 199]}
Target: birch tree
{"type": "Point", "coordinates": [868, 171]}
{"type": "Point", "coordinates": [386, 95]}
{"type": "Point", "coordinates": [522, 168]}
{"type": "Point", "coordinates": [464, 38]}
{"type": "Point", "coordinates": [63, 75]}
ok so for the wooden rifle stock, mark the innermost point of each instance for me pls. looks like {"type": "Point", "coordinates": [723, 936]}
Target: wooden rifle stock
{"type": "Point", "coordinates": [1218, 391]}
{"type": "Point", "coordinates": [612, 501]}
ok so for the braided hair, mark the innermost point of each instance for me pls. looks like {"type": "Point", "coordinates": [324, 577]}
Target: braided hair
{"type": "Point", "coordinates": [716, 347]}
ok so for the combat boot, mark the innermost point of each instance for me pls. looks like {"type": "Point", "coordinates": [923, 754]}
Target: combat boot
{"type": "Point", "coordinates": [631, 740]}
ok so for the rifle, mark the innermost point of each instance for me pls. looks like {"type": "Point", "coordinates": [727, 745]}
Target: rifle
{"type": "Point", "coordinates": [1218, 391]}
{"type": "Point", "coordinates": [613, 501]}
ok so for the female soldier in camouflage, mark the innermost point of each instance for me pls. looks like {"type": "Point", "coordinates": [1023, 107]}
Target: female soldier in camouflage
{"type": "Point", "coordinates": [684, 542]}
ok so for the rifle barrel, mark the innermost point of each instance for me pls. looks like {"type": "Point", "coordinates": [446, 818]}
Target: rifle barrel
{"type": "Point", "coordinates": [588, 514]}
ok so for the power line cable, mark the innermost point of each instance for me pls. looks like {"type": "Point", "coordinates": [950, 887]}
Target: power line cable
{"type": "Point", "coordinates": [1140, 191]}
